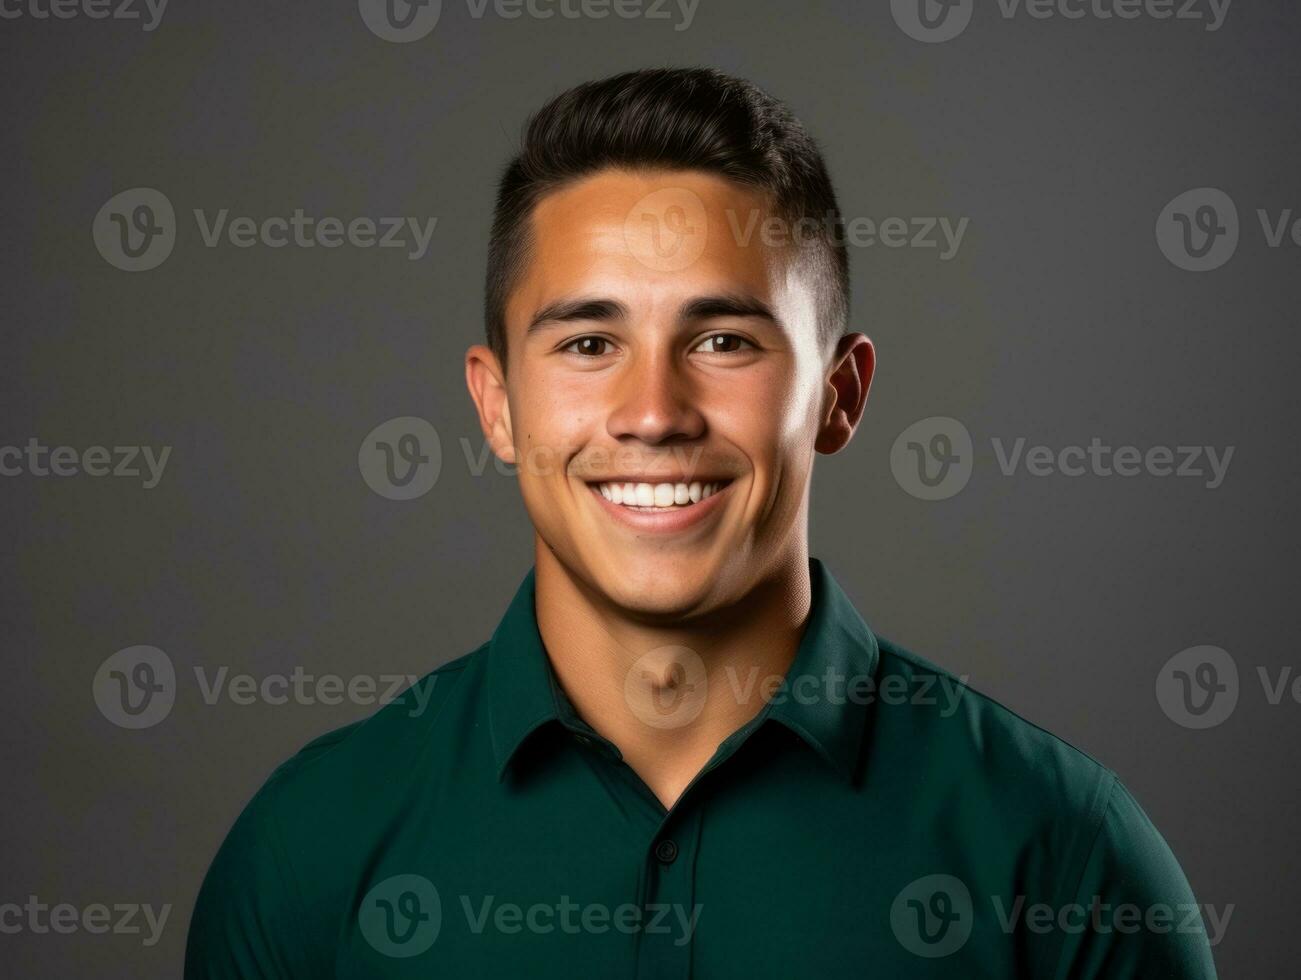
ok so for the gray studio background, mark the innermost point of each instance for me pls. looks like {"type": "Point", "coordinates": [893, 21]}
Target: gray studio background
{"type": "Point", "coordinates": [261, 549]}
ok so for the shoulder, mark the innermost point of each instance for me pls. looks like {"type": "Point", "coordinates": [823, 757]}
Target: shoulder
{"type": "Point", "coordinates": [289, 860]}
{"type": "Point", "coordinates": [375, 742]}
{"type": "Point", "coordinates": [1041, 820]}
{"type": "Point", "coordinates": [344, 781]}
{"type": "Point", "coordinates": [971, 736]}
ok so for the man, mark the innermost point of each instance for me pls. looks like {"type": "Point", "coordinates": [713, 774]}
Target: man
{"type": "Point", "coordinates": [683, 753]}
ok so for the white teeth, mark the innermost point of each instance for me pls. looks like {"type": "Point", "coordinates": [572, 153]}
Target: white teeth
{"type": "Point", "coordinates": [660, 495]}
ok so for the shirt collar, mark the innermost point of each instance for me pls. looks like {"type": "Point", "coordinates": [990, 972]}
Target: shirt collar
{"type": "Point", "coordinates": [522, 691]}
{"type": "Point", "coordinates": [837, 650]}
{"type": "Point", "coordinates": [837, 654]}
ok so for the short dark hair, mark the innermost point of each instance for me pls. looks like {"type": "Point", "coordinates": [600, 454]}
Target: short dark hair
{"type": "Point", "coordinates": [673, 119]}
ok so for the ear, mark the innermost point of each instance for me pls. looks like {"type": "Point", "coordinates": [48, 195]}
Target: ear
{"type": "Point", "coordinates": [487, 383]}
{"type": "Point", "coordinates": [849, 377]}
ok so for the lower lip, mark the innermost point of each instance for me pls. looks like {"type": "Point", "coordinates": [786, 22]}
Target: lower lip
{"type": "Point", "coordinates": [662, 520]}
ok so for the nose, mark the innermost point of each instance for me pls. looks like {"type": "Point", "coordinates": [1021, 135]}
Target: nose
{"type": "Point", "coordinates": [654, 402]}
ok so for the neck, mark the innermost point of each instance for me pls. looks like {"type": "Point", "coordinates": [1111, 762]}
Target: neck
{"type": "Point", "coordinates": [666, 694]}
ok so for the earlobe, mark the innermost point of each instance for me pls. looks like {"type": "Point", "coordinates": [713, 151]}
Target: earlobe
{"type": "Point", "coordinates": [487, 384]}
{"type": "Point", "coordinates": [847, 385]}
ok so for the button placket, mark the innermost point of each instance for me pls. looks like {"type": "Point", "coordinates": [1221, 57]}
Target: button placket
{"type": "Point", "coordinates": [669, 917]}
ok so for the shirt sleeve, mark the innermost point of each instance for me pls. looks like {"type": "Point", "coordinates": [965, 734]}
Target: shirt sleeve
{"type": "Point", "coordinates": [1138, 919]}
{"type": "Point", "coordinates": [248, 919]}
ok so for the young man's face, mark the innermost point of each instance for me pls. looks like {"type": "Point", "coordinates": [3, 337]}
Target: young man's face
{"type": "Point", "coordinates": [665, 389]}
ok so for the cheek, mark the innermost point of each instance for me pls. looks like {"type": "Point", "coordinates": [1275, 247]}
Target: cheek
{"type": "Point", "coordinates": [768, 414]}
{"type": "Point", "coordinates": [549, 428]}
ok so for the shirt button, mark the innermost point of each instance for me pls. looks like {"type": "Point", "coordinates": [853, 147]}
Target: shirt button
{"type": "Point", "coordinates": [666, 851]}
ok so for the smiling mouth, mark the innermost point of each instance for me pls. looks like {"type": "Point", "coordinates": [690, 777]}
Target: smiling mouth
{"type": "Point", "coordinates": [653, 497]}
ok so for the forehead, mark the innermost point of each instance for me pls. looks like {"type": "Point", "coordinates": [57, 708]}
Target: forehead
{"type": "Point", "coordinates": [649, 237]}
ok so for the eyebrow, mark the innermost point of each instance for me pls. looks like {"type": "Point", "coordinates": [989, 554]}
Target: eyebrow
{"type": "Point", "coordinates": [700, 308]}
{"type": "Point", "coordinates": [727, 304]}
{"type": "Point", "coordinates": [566, 310]}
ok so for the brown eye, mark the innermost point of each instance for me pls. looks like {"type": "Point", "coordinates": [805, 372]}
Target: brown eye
{"type": "Point", "coordinates": [588, 346]}
{"type": "Point", "coordinates": [722, 343]}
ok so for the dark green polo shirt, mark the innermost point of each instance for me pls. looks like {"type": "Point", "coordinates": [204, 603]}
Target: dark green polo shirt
{"type": "Point", "coordinates": [876, 819]}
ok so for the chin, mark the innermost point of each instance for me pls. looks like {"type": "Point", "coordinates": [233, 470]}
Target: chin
{"type": "Point", "coordinates": [658, 589]}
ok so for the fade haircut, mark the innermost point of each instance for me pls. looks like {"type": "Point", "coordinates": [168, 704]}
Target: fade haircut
{"type": "Point", "coordinates": [670, 119]}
